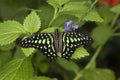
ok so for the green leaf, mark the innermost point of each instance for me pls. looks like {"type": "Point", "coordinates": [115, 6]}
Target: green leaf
{"type": "Point", "coordinates": [72, 8]}
{"type": "Point", "coordinates": [52, 29]}
{"type": "Point", "coordinates": [5, 56]}
{"type": "Point", "coordinates": [10, 31]}
{"type": "Point", "coordinates": [17, 69]}
{"type": "Point", "coordinates": [44, 78]}
{"type": "Point", "coordinates": [97, 74]}
{"type": "Point", "coordinates": [32, 22]}
{"type": "Point", "coordinates": [72, 66]}
{"type": "Point", "coordinates": [7, 47]}
{"type": "Point", "coordinates": [101, 34]}
{"type": "Point", "coordinates": [80, 53]}
{"type": "Point", "coordinates": [93, 16]}
{"type": "Point", "coordinates": [28, 51]}
{"type": "Point", "coordinates": [43, 67]}
{"type": "Point", "coordinates": [116, 9]}
{"type": "Point", "coordinates": [57, 3]}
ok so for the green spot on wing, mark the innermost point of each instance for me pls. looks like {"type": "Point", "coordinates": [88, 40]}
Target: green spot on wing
{"type": "Point", "coordinates": [64, 37]}
{"type": "Point", "coordinates": [44, 40]}
{"type": "Point", "coordinates": [36, 41]}
{"type": "Point", "coordinates": [75, 39]}
{"type": "Point", "coordinates": [71, 40]}
{"type": "Point", "coordinates": [39, 41]}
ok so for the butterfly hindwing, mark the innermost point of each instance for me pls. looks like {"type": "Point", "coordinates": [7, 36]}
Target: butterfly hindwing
{"type": "Point", "coordinates": [72, 40]}
{"type": "Point", "coordinates": [43, 41]}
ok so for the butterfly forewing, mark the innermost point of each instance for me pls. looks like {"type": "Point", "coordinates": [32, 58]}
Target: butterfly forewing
{"type": "Point", "coordinates": [44, 42]}
{"type": "Point", "coordinates": [72, 40]}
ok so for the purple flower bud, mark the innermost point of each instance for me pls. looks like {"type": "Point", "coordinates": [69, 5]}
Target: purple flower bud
{"type": "Point", "coordinates": [68, 24]}
{"type": "Point", "coordinates": [75, 27]}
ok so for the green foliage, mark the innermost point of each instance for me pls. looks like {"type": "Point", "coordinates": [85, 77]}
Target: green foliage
{"type": "Point", "coordinates": [44, 78]}
{"type": "Point", "coordinates": [101, 34]}
{"type": "Point", "coordinates": [10, 31]}
{"type": "Point", "coordinates": [116, 9]}
{"type": "Point", "coordinates": [17, 69]}
{"type": "Point", "coordinates": [57, 3]}
{"type": "Point", "coordinates": [80, 53]}
{"type": "Point", "coordinates": [27, 52]}
{"type": "Point", "coordinates": [32, 22]}
{"type": "Point", "coordinates": [72, 66]}
{"type": "Point", "coordinates": [97, 74]}
{"type": "Point", "coordinates": [18, 63]}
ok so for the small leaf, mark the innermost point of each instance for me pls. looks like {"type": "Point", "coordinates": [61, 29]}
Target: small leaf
{"type": "Point", "coordinates": [116, 9]}
{"type": "Point", "coordinates": [44, 78]}
{"type": "Point", "coordinates": [80, 53]}
{"type": "Point", "coordinates": [97, 74]}
{"type": "Point", "coordinates": [28, 51]}
{"type": "Point", "coordinates": [57, 3]}
{"type": "Point", "coordinates": [72, 66]}
{"type": "Point", "coordinates": [10, 31]}
{"type": "Point", "coordinates": [32, 22]}
{"type": "Point", "coordinates": [93, 16]}
{"type": "Point", "coordinates": [17, 69]}
{"type": "Point", "coordinates": [101, 34]}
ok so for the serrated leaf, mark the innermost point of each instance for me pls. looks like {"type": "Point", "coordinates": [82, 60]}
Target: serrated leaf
{"type": "Point", "coordinates": [10, 31]}
{"type": "Point", "coordinates": [93, 16]}
{"type": "Point", "coordinates": [28, 51]}
{"type": "Point", "coordinates": [101, 34]}
{"type": "Point", "coordinates": [32, 22]}
{"type": "Point", "coordinates": [44, 78]}
{"type": "Point", "coordinates": [57, 3]}
{"type": "Point", "coordinates": [116, 9]}
{"type": "Point", "coordinates": [72, 66]}
{"type": "Point", "coordinates": [17, 69]}
{"type": "Point", "coordinates": [80, 53]}
{"type": "Point", "coordinates": [97, 74]}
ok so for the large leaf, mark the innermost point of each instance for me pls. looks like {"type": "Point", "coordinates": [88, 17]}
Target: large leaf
{"type": "Point", "coordinates": [72, 66]}
{"type": "Point", "coordinates": [10, 31]}
{"type": "Point", "coordinates": [57, 3]}
{"type": "Point", "coordinates": [101, 34]}
{"type": "Point", "coordinates": [80, 53]}
{"type": "Point", "coordinates": [32, 22]}
{"type": "Point", "coordinates": [97, 74]}
{"type": "Point", "coordinates": [93, 16]}
{"type": "Point", "coordinates": [44, 78]}
{"type": "Point", "coordinates": [116, 9]}
{"type": "Point", "coordinates": [17, 69]}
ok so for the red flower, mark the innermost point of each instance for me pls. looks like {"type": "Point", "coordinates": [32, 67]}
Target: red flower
{"type": "Point", "coordinates": [110, 2]}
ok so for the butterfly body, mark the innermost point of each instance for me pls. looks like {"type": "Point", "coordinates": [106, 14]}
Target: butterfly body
{"type": "Point", "coordinates": [52, 43]}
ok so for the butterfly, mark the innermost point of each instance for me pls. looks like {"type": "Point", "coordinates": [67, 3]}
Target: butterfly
{"type": "Point", "coordinates": [52, 43]}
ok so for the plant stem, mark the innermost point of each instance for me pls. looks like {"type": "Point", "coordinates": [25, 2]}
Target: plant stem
{"type": "Point", "coordinates": [92, 61]}
{"type": "Point", "coordinates": [79, 74]}
{"type": "Point", "coordinates": [116, 34]}
{"type": "Point", "coordinates": [54, 16]}
{"type": "Point", "coordinates": [114, 20]}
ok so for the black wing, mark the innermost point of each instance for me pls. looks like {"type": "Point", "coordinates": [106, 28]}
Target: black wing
{"type": "Point", "coordinates": [43, 42]}
{"type": "Point", "coordinates": [72, 40]}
